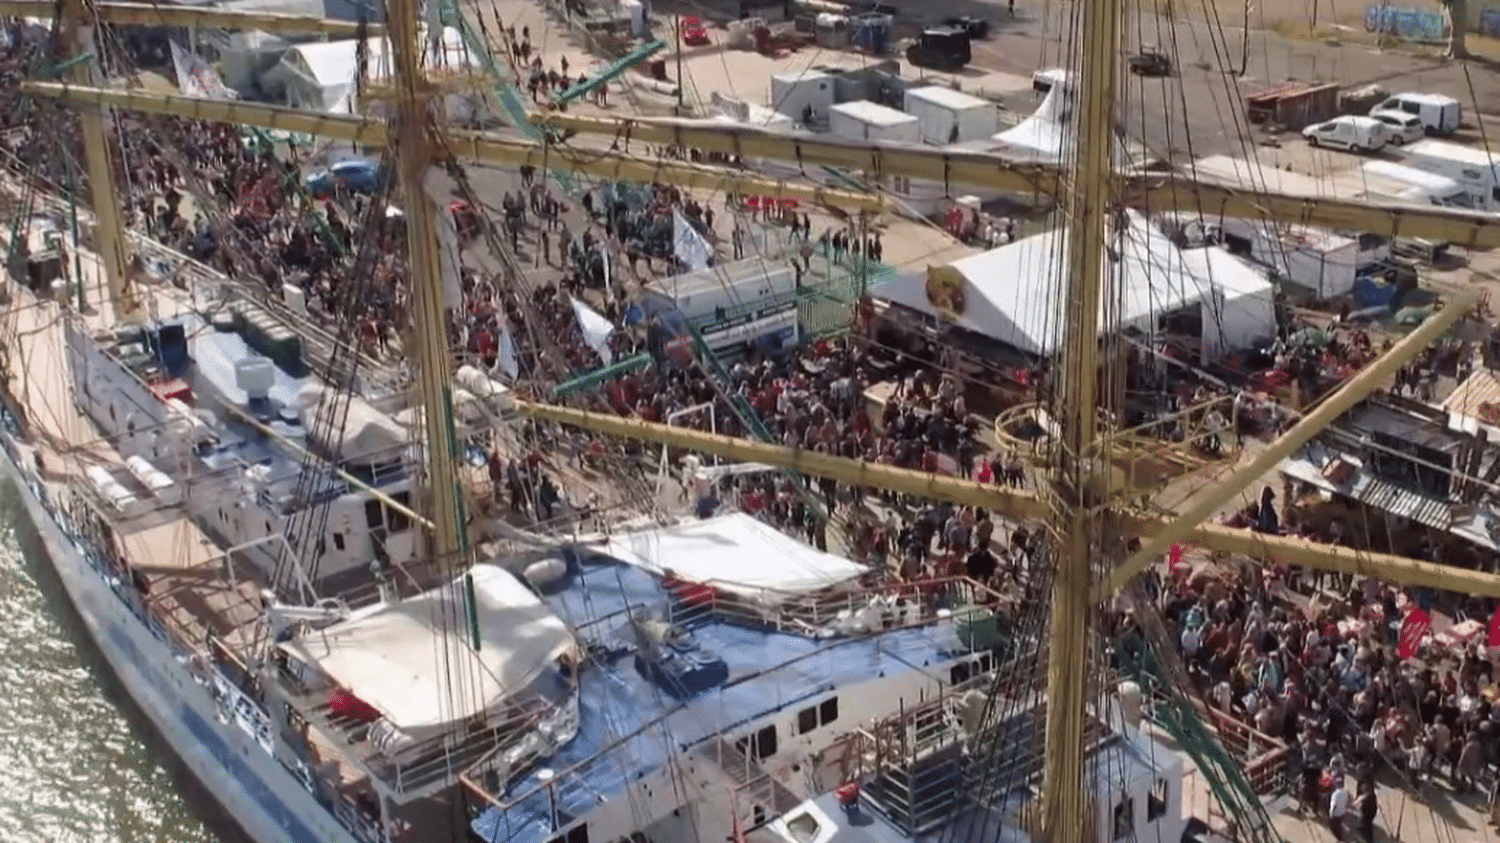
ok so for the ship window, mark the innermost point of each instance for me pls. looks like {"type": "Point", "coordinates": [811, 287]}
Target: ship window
{"type": "Point", "coordinates": [1125, 818]}
{"type": "Point", "coordinates": [828, 711]}
{"type": "Point", "coordinates": [398, 521]}
{"type": "Point", "coordinates": [1156, 801]}
{"type": "Point", "coordinates": [958, 674]}
{"type": "Point", "coordinates": [578, 834]}
{"type": "Point", "coordinates": [338, 541]}
{"type": "Point", "coordinates": [372, 515]}
{"type": "Point", "coordinates": [763, 745]}
{"type": "Point", "coordinates": [807, 720]}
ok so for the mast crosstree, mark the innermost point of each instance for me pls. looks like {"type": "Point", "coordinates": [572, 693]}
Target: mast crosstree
{"type": "Point", "coordinates": [1089, 188]}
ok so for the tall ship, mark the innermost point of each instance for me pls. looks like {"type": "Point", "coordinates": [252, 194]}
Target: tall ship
{"type": "Point", "coordinates": [392, 543]}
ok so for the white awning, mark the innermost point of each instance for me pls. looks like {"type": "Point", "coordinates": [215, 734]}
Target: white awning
{"type": "Point", "coordinates": [396, 657]}
{"type": "Point", "coordinates": [736, 553]}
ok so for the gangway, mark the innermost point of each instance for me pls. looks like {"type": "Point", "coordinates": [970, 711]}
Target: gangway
{"type": "Point", "coordinates": [614, 71]}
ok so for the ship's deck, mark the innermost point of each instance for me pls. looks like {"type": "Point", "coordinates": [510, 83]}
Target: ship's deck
{"type": "Point", "coordinates": [629, 726]}
{"type": "Point", "coordinates": [187, 589]}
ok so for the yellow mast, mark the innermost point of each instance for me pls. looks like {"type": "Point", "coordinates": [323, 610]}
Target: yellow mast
{"type": "Point", "coordinates": [95, 125]}
{"type": "Point", "coordinates": [1066, 797]}
{"type": "Point", "coordinates": [428, 340]}
{"type": "Point", "coordinates": [1146, 192]}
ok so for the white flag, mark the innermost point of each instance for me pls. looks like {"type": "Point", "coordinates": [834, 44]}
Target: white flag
{"type": "Point", "coordinates": [196, 77]}
{"type": "Point", "coordinates": [687, 244]}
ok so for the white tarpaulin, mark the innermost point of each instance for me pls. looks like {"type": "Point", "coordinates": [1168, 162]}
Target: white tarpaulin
{"type": "Point", "coordinates": [736, 553]}
{"type": "Point", "coordinates": [396, 658]}
{"type": "Point", "coordinates": [368, 436]}
{"type": "Point", "coordinates": [596, 330]}
{"type": "Point", "coordinates": [195, 77]}
{"type": "Point", "coordinates": [688, 245]}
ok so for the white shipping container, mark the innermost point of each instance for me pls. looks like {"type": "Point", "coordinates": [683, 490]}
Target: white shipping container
{"type": "Point", "coordinates": [946, 116]}
{"type": "Point", "coordinates": [1316, 259]}
{"type": "Point", "coordinates": [793, 94]}
{"type": "Point", "coordinates": [863, 120]}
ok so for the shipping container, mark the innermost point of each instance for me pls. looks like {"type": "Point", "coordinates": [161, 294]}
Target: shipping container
{"type": "Point", "coordinates": [863, 120]}
{"type": "Point", "coordinates": [805, 97]}
{"type": "Point", "coordinates": [945, 116]}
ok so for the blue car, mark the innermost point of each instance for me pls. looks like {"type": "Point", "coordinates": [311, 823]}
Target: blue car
{"type": "Point", "coordinates": [356, 176]}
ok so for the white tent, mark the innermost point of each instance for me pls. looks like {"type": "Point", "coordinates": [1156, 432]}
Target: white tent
{"type": "Point", "coordinates": [319, 75]}
{"type": "Point", "coordinates": [396, 657]}
{"type": "Point", "coordinates": [1047, 135]}
{"type": "Point", "coordinates": [735, 553]}
{"type": "Point", "coordinates": [1015, 294]}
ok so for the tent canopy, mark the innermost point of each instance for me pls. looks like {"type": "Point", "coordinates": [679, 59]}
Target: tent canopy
{"type": "Point", "coordinates": [1047, 135]}
{"type": "Point", "coordinates": [396, 657]}
{"type": "Point", "coordinates": [328, 67]}
{"type": "Point", "coordinates": [736, 553]}
{"type": "Point", "coordinates": [1015, 294]}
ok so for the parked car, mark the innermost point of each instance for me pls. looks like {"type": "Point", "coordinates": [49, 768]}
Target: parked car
{"type": "Point", "coordinates": [1403, 128]}
{"type": "Point", "coordinates": [1440, 115]}
{"type": "Point", "coordinates": [354, 176]}
{"type": "Point", "coordinates": [1356, 134]}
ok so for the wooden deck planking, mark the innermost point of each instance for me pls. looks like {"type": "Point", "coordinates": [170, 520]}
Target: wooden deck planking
{"type": "Point", "coordinates": [187, 590]}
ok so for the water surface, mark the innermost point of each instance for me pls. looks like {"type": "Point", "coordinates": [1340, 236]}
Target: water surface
{"type": "Point", "coordinates": [80, 763]}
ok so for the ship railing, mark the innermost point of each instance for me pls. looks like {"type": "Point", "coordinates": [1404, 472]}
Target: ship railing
{"type": "Point", "coordinates": [1262, 756]}
{"type": "Point", "coordinates": [234, 703]}
{"type": "Point", "coordinates": [248, 713]}
{"type": "Point", "coordinates": [319, 344]}
{"type": "Point", "coordinates": [958, 600]}
{"type": "Point", "coordinates": [426, 766]}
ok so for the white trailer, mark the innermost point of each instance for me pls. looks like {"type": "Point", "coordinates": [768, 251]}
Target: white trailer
{"type": "Point", "coordinates": [1321, 260]}
{"type": "Point", "coordinates": [1478, 170]}
{"type": "Point", "coordinates": [746, 301]}
{"type": "Point", "coordinates": [805, 97]}
{"type": "Point", "coordinates": [945, 116]}
{"type": "Point", "coordinates": [863, 120]}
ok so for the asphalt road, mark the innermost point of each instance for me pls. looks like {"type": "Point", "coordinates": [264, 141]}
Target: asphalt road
{"type": "Point", "coordinates": [1197, 112]}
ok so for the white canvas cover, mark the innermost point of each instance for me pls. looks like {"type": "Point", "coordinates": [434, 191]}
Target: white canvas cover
{"type": "Point", "coordinates": [736, 553]}
{"type": "Point", "coordinates": [396, 657]}
{"type": "Point", "coordinates": [368, 434]}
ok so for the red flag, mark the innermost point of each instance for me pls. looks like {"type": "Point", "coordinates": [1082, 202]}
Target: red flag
{"type": "Point", "coordinates": [1494, 639]}
{"type": "Point", "coordinates": [344, 704]}
{"type": "Point", "coordinates": [1174, 557]}
{"type": "Point", "coordinates": [1413, 630]}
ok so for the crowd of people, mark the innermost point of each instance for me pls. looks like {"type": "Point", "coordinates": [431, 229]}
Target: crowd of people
{"type": "Point", "coordinates": [1318, 669]}
{"type": "Point", "coordinates": [1322, 675]}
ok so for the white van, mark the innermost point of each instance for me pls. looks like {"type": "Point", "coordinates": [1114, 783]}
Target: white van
{"type": "Point", "coordinates": [1404, 128]}
{"type": "Point", "coordinates": [1477, 170]}
{"type": "Point", "coordinates": [1410, 184]}
{"type": "Point", "coordinates": [1356, 134]}
{"type": "Point", "coordinates": [1440, 115]}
